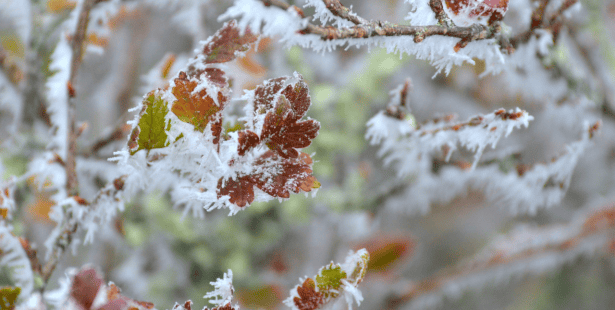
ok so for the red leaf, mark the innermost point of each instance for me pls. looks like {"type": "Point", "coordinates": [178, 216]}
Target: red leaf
{"type": "Point", "coordinates": [298, 96]}
{"type": "Point", "coordinates": [240, 190]}
{"type": "Point", "coordinates": [281, 176]}
{"type": "Point", "coordinates": [223, 45]}
{"type": "Point", "coordinates": [282, 130]}
{"type": "Point", "coordinates": [247, 140]}
{"type": "Point", "coordinates": [295, 174]}
{"type": "Point", "coordinates": [266, 93]}
{"type": "Point", "coordinates": [282, 133]}
{"type": "Point", "coordinates": [309, 298]}
{"type": "Point", "coordinates": [85, 287]}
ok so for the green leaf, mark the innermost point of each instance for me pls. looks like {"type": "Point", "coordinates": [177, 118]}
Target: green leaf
{"type": "Point", "coordinates": [8, 297]}
{"type": "Point", "coordinates": [330, 277]}
{"type": "Point", "coordinates": [151, 132]}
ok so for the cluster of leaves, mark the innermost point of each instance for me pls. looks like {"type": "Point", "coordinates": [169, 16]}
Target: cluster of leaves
{"type": "Point", "coordinates": [331, 281]}
{"type": "Point", "coordinates": [259, 151]}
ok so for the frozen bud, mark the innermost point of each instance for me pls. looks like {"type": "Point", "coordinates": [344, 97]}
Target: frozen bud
{"type": "Point", "coordinates": [467, 12]}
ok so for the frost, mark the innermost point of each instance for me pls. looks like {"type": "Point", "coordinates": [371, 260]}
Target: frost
{"type": "Point", "coordinates": [13, 256]}
{"type": "Point", "coordinates": [405, 145]}
{"type": "Point", "coordinates": [223, 290]}
{"type": "Point", "coordinates": [522, 192]}
{"type": "Point", "coordinates": [437, 50]}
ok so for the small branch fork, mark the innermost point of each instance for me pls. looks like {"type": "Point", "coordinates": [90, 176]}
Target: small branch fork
{"type": "Point", "coordinates": [366, 29]}
{"type": "Point", "coordinates": [70, 225]}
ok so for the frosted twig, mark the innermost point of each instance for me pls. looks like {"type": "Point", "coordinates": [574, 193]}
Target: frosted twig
{"type": "Point", "coordinates": [69, 227]}
{"type": "Point", "coordinates": [540, 22]}
{"type": "Point", "coordinates": [341, 11]}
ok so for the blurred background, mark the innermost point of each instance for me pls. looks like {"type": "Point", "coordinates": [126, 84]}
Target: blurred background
{"type": "Point", "coordinates": [155, 252]}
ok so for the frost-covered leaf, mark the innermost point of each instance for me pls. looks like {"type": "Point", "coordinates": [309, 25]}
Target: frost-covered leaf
{"type": "Point", "coordinates": [227, 43]}
{"type": "Point", "coordinates": [274, 175]}
{"type": "Point", "coordinates": [331, 282]}
{"type": "Point", "coordinates": [240, 191]}
{"type": "Point", "coordinates": [309, 298]}
{"type": "Point", "coordinates": [284, 175]}
{"type": "Point", "coordinates": [196, 108]}
{"type": "Point", "coordinates": [282, 130]}
{"type": "Point", "coordinates": [151, 132]}
{"type": "Point", "coordinates": [330, 278]}
{"type": "Point", "coordinates": [265, 94]}
{"type": "Point", "coordinates": [257, 157]}
{"type": "Point", "coordinates": [247, 140]}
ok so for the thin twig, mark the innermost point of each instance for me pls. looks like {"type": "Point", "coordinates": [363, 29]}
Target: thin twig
{"type": "Point", "coordinates": [438, 9]}
{"type": "Point", "coordinates": [121, 132]}
{"type": "Point", "coordinates": [69, 226]}
{"type": "Point", "coordinates": [551, 23]}
{"type": "Point", "coordinates": [341, 11]}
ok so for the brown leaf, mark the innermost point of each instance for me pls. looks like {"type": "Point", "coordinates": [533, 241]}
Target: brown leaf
{"type": "Point", "coordinates": [85, 287]}
{"type": "Point", "coordinates": [298, 97]}
{"type": "Point", "coordinates": [282, 133]}
{"type": "Point", "coordinates": [240, 190]}
{"type": "Point", "coordinates": [223, 45]}
{"type": "Point", "coordinates": [282, 176]}
{"type": "Point", "coordinates": [247, 140]}
{"type": "Point", "coordinates": [196, 109]}
{"type": "Point", "coordinates": [309, 298]}
{"type": "Point", "coordinates": [295, 174]}
{"type": "Point", "coordinates": [265, 94]}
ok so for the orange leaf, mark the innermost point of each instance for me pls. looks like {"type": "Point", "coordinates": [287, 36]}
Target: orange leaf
{"type": "Point", "coordinates": [282, 133]}
{"type": "Point", "coordinates": [264, 94]}
{"type": "Point", "coordinates": [197, 109]}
